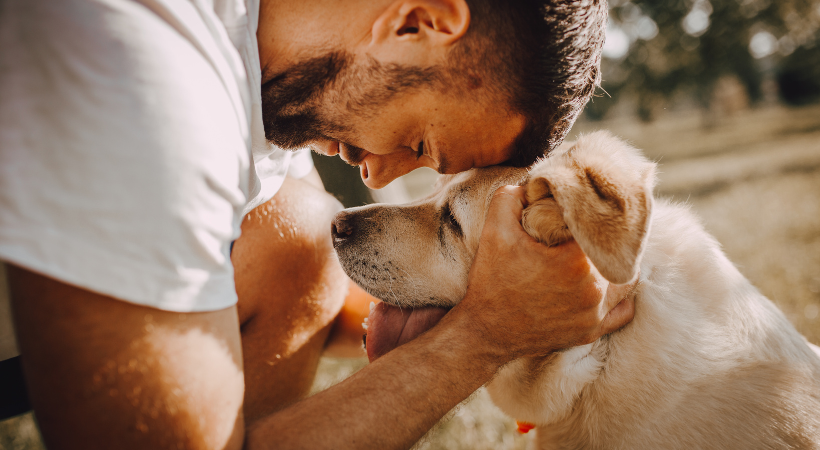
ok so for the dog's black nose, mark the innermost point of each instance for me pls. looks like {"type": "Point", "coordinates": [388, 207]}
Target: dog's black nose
{"type": "Point", "coordinates": [342, 227]}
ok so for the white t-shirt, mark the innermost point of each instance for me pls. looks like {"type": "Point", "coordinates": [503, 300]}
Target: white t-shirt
{"type": "Point", "coordinates": [131, 145]}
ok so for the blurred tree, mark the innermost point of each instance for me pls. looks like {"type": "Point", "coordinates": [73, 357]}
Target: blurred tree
{"type": "Point", "coordinates": [798, 76]}
{"type": "Point", "coordinates": [658, 49]}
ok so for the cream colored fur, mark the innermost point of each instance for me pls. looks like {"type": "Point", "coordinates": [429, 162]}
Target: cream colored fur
{"type": "Point", "coordinates": [707, 363]}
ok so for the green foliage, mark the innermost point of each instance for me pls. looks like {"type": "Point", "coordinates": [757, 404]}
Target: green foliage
{"type": "Point", "coordinates": [686, 46]}
{"type": "Point", "coordinates": [798, 76]}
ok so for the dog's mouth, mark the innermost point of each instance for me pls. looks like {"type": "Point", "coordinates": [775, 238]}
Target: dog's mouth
{"type": "Point", "coordinates": [390, 326]}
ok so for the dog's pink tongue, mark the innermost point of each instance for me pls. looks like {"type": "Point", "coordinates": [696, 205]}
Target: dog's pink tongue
{"type": "Point", "coordinates": [389, 326]}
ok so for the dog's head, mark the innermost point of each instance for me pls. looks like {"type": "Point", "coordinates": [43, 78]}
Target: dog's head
{"type": "Point", "coordinates": [419, 254]}
{"type": "Point", "coordinates": [597, 191]}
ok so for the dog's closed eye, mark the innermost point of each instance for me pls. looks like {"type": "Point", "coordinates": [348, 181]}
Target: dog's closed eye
{"type": "Point", "coordinates": [449, 219]}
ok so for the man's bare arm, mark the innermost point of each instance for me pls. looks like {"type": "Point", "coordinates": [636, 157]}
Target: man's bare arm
{"type": "Point", "coordinates": [105, 374]}
{"type": "Point", "coordinates": [108, 374]}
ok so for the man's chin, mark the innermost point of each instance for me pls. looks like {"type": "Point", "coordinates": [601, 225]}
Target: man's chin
{"type": "Point", "coordinates": [291, 139]}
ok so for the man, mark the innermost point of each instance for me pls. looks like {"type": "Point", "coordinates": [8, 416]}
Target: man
{"type": "Point", "coordinates": [126, 174]}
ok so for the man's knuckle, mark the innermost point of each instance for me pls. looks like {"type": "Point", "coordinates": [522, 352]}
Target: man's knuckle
{"type": "Point", "coordinates": [589, 300]}
{"type": "Point", "coordinates": [590, 322]}
{"type": "Point", "coordinates": [578, 267]}
{"type": "Point", "coordinates": [589, 338]}
{"type": "Point", "coordinates": [501, 193]}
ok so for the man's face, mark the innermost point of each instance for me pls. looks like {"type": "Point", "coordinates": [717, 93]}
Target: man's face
{"type": "Point", "coordinates": [336, 107]}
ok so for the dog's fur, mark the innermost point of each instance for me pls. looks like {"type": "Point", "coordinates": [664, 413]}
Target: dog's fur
{"type": "Point", "coordinates": [708, 362]}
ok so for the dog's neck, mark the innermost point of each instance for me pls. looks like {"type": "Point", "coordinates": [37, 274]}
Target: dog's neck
{"type": "Point", "coordinates": [543, 390]}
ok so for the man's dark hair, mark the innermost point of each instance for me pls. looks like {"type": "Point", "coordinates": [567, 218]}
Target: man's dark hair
{"type": "Point", "coordinates": [542, 58]}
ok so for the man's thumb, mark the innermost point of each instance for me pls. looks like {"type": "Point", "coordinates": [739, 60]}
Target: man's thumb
{"type": "Point", "coordinates": [507, 205]}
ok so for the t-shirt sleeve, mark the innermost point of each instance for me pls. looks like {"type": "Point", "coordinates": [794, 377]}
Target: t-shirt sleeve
{"type": "Point", "coordinates": [123, 157]}
{"type": "Point", "coordinates": [301, 163]}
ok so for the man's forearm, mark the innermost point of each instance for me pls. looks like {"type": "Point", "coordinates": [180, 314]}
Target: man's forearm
{"type": "Point", "coordinates": [390, 403]}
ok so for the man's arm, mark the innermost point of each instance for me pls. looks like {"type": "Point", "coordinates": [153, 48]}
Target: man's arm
{"type": "Point", "coordinates": [105, 374]}
{"type": "Point", "coordinates": [109, 374]}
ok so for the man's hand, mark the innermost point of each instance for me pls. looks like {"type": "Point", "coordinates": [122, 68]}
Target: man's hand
{"type": "Point", "coordinates": [530, 299]}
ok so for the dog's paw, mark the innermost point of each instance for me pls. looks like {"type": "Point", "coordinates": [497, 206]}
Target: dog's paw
{"type": "Point", "coordinates": [543, 218]}
{"type": "Point", "coordinates": [599, 191]}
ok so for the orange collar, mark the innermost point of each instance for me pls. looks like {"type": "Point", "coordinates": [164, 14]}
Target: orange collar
{"type": "Point", "coordinates": [524, 427]}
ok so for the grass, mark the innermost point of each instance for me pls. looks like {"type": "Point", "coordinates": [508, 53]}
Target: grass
{"type": "Point", "coordinates": [754, 179]}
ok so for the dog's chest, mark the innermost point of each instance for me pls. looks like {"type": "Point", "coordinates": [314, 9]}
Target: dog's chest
{"type": "Point", "coordinates": [543, 390]}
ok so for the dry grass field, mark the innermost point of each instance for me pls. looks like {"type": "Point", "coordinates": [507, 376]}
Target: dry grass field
{"type": "Point", "coordinates": [754, 179]}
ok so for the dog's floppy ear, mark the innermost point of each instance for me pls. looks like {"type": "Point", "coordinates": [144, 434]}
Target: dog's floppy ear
{"type": "Point", "coordinates": [599, 191]}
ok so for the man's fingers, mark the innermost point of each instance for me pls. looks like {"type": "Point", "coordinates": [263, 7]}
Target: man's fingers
{"type": "Point", "coordinates": [504, 218]}
{"type": "Point", "coordinates": [507, 205]}
{"type": "Point", "coordinates": [617, 292]}
{"type": "Point", "coordinates": [620, 315]}
{"type": "Point", "coordinates": [568, 253]}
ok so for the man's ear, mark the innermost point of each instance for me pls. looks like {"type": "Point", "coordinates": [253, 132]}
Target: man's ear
{"type": "Point", "coordinates": [414, 29]}
{"type": "Point", "coordinates": [600, 192]}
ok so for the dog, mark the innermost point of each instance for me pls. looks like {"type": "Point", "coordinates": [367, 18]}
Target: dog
{"type": "Point", "coordinates": [707, 362]}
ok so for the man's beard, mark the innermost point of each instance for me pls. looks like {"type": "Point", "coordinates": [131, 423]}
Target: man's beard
{"type": "Point", "coordinates": [291, 101]}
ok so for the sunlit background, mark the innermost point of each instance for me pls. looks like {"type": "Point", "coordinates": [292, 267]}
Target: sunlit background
{"type": "Point", "coordinates": [725, 96]}
{"type": "Point", "coordinates": [719, 56]}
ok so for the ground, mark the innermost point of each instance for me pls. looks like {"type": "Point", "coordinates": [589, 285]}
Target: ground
{"type": "Point", "coordinates": [754, 179]}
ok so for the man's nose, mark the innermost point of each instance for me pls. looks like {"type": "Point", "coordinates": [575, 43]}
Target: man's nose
{"type": "Point", "coordinates": [379, 170]}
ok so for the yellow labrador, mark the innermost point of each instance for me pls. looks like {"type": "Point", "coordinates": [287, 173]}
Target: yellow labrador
{"type": "Point", "coordinates": [707, 363]}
